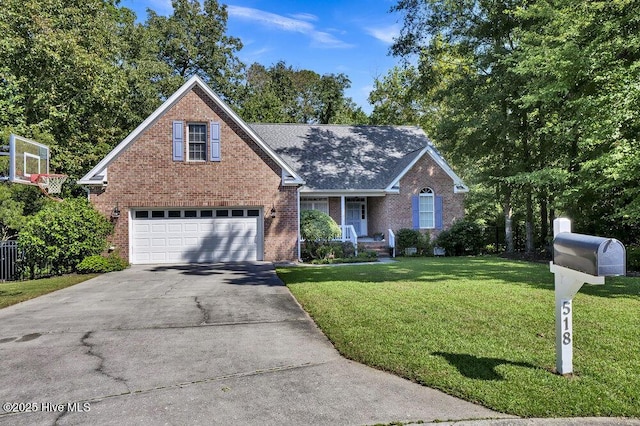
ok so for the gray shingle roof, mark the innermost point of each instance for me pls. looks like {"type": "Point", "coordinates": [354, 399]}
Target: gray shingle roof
{"type": "Point", "coordinates": [339, 157]}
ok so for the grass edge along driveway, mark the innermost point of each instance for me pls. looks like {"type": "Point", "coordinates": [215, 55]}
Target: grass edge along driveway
{"type": "Point", "coordinates": [13, 292]}
{"type": "Point", "coordinates": [481, 329]}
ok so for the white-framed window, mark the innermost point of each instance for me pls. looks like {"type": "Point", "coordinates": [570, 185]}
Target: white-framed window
{"type": "Point", "coordinates": [197, 142]}
{"type": "Point", "coordinates": [321, 204]}
{"type": "Point", "coordinates": [427, 209]}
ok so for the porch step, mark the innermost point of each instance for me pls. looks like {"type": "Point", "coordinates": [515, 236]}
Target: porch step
{"type": "Point", "coordinates": [379, 247]}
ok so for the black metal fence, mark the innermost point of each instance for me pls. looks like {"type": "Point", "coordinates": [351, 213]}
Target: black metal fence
{"type": "Point", "coordinates": [8, 260]}
{"type": "Point", "coordinates": [15, 267]}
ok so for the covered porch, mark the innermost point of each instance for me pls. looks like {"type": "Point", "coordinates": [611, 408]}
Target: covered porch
{"type": "Point", "coordinates": [361, 216]}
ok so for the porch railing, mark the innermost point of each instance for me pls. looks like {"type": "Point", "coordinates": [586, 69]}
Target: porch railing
{"type": "Point", "coordinates": [392, 242]}
{"type": "Point", "coordinates": [348, 233]}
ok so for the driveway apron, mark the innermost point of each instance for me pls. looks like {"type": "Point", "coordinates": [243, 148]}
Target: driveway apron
{"type": "Point", "coordinates": [193, 344]}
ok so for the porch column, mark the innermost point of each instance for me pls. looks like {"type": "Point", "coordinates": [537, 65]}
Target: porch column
{"type": "Point", "coordinates": [343, 210]}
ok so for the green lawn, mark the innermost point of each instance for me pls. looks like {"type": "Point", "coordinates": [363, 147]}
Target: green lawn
{"type": "Point", "coordinates": [482, 329]}
{"type": "Point", "coordinates": [19, 291]}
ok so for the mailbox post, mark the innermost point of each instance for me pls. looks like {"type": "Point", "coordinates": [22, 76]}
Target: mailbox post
{"type": "Point", "coordinates": [578, 259]}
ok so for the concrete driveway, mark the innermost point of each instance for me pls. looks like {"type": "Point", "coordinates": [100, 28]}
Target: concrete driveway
{"type": "Point", "coordinates": [204, 344]}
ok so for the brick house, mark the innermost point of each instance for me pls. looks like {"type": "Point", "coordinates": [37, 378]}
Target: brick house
{"type": "Point", "coordinates": [195, 183]}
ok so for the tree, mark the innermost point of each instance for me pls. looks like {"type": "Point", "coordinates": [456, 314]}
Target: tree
{"type": "Point", "coordinates": [71, 78]}
{"type": "Point", "coordinates": [193, 41]}
{"type": "Point", "coordinates": [282, 94]}
{"type": "Point", "coordinates": [11, 214]}
{"type": "Point", "coordinates": [396, 98]}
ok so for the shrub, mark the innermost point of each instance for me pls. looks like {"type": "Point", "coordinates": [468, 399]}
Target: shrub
{"type": "Point", "coordinates": [463, 238]}
{"type": "Point", "coordinates": [330, 250]}
{"type": "Point", "coordinates": [406, 238]}
{"type": "Point", "coordinates": [62, 234]}
{"type": "Point", "coordinates": [317, 228]}
{"type": "Point", "coordinates": [100, 264]}
{"type": "Point", "coordinates": [633, 258]}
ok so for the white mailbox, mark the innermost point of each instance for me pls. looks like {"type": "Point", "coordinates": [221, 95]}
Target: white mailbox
{"type": "Point", "coordinates": [578, 259]}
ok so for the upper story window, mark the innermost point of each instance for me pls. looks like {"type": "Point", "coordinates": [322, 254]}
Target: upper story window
{"type": "Point", "coordinates": [197, 142]}
{"type": "Point", "coordinates": [427, 209]}
{"type": "Point", "coordinates": [202, 141]}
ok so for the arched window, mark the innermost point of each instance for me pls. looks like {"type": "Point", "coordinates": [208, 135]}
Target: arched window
{"type": "Point", "coordinates": [427, 209]}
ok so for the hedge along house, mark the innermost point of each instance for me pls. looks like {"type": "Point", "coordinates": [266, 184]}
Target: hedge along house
{"type": "Point", "coordinates": [195, 183]}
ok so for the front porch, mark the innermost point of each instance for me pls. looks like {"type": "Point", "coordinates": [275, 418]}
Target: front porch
{"type": "Point", "coordinates": [361, 218]}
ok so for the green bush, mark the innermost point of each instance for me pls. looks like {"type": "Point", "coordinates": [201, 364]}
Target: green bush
{"type": "Point", "coordinates": [317, 229]}
{"type": "Point", "coordinates": [463, 238]}
{"type": "Point", "coordinates": [99, 264]}
{"type": "Point", "coordinates": [633, 258]}
{"type": "Point", "coordinates": [62, 234]}
{"type": "Point", "coordinates": [406, 238]}
{"type": "Point", "coordinates": [330, 250]}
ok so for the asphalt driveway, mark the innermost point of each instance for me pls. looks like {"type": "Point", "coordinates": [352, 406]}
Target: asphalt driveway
{"type": "Point", "coordinates": [203, 344]}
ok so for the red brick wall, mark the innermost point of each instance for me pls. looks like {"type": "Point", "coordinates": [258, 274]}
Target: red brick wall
{"type": "Point", "coordinates": [394, 210]}
{"type": "Point", "coordinates": [335, 209]}
{"type": "Point", "coordinates": [145, 175]}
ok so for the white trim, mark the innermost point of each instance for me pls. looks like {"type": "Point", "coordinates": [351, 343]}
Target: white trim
{"type": "Point", "coordinates": [458, 185]}
{"type": "Point", "coordinates": [206, 141]}
{"type": "Point", "coordinates": [345, 192]}
{"type": "Point", "coordinates": [430, 194]}
{"type": "Point", "coordinates": [89, 178]}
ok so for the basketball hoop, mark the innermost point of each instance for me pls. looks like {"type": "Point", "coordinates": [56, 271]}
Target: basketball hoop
{"type": "Point", "coordinates": [49, 183]}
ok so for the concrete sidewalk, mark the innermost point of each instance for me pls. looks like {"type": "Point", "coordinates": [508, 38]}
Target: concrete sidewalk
{"type": "Point", "coordinates": [204, 344]}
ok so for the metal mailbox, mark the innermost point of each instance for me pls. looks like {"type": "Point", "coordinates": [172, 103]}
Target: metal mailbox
{"type": "Point", "coordinates": [598, 256]}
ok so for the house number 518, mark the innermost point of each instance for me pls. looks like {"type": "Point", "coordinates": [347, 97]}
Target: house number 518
{"type": "Point", "coordinates": [567, 325]}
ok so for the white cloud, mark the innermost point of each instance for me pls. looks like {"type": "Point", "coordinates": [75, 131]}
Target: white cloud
{"type": "Point", "coordinates": [304, 16]}
{"type": "Point", "coordinates": [279, 22]}
{"type": "Point", "coordinates": [385, 34]}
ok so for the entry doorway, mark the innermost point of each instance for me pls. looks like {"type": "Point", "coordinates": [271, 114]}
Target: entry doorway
{"type": "Point", "coordinates": [356, 214]}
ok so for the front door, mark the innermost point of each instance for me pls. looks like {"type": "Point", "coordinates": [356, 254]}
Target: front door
{"type": "Point", "coordinates": [356, 215]}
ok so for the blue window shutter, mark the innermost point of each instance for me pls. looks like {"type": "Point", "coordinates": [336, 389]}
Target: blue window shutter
{"type": "Point", "coordinates": [438, 209]}
{"type": "Point", "coordinates": [215, 141]}
{"type": "Point", "coordinates": [415, 211]}
{"type": "Point", "coordinates": [178, 141]}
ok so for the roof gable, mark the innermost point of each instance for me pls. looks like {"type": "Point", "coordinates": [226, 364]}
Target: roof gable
{"type": "Point", "coordinates": [98, 175]}
{"type": "Point", "coordinates": [352, 158]}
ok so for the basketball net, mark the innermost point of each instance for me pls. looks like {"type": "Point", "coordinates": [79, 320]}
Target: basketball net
{"type": "Point", "coordinates": [49, 184]}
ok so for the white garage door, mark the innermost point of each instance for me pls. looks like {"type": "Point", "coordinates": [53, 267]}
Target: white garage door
{"type": "Point", "coordinates": [193, 236]}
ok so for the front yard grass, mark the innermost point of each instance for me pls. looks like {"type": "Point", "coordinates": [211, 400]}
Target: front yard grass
{"type": "Point", "coordinates": [482, 329]}
{"type": "Point", "coordinates": [19, 291]}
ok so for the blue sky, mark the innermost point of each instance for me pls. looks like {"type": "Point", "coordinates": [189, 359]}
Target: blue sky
{"type": "Point", "coordinates": [330, 36]}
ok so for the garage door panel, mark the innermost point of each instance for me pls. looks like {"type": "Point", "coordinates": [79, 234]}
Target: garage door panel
{"type": "Point", "coordinates": [158, 228]}
{"type": "Point", "coordinates": [191, 227]}
{"type": "Point", "coordinates": [141, 227]}
{"type": "Point", "coordinates": [190, 240]}
{"type": "Point", "coordinates": [174, 227]}
{"type": "Point", "coordinates": [174, 242]}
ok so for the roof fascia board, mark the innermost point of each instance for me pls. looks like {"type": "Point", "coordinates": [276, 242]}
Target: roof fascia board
{"type": "Point", "coordinates": [186, 87]}
{"type": "Point", "coordinates": [345, 192]}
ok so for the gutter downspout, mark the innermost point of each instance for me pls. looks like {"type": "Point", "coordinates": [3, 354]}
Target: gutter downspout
{"type": "Point", "coordinates": [88, 191]}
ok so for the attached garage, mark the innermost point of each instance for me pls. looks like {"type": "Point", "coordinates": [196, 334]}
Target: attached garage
{"type": "Point", "coordinates": [195, 235]}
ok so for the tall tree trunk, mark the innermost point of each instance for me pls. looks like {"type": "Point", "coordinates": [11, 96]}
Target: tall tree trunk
{"type": "Point", "coordinates": [529, 244]}
{"type": "Point", "coordinates": [508, 222]}
{"type": "Point", "coordinates": [544, 219]}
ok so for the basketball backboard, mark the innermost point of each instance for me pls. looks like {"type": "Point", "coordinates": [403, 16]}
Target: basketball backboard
{"type": "Point", "coordinates": [26, 158]}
